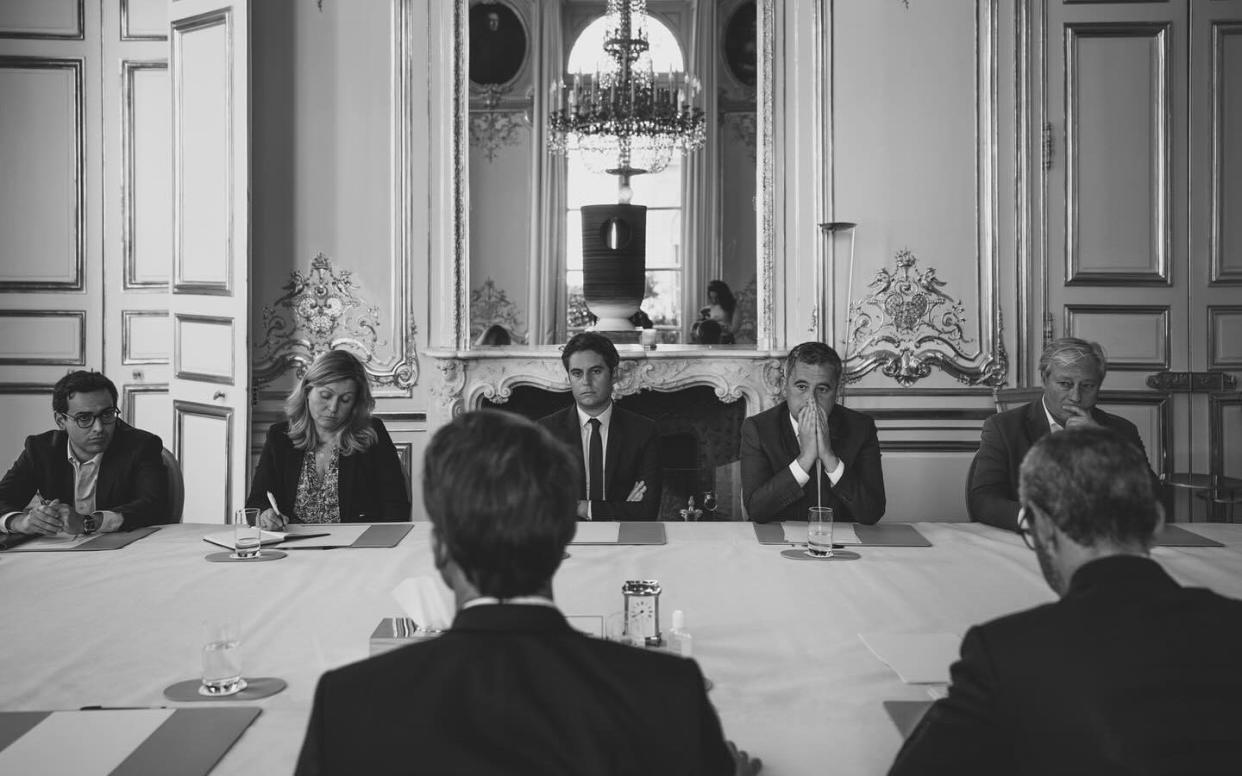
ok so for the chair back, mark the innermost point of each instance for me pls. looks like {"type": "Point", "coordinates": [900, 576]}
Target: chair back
{"type": "Point", "coordinates": [1008, 398]}
{"type": "Point", "coordinates": [176, 486]}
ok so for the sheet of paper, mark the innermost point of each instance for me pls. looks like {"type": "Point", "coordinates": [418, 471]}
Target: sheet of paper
{"type": "Point", "coordinates": [918, 658]}
{"type": "Point", "coordinates": [225, 538]}
{"type": "Point", "coordinates": [58, 542]}
{"type": "Point", "coordinates": [591, 532]}
{"type": "Point", "coordinates": [339, 535]}
{"type": "Point", "coordinates": [842, 533]}
{"type": "Point", "coordinates": [81, 743]}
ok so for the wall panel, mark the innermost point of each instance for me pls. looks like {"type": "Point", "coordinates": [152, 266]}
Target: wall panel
{"type": "Point", "coordinates": [1227, 152]}
{"type": "Point", "coordinates": [27, 410]}
{"type": "Point", "coordinates": [144, 337]}
{"type": "Point", "coordinates": [1133, 336]}
{"type": "Point", "coordinates": [147, 185]}
{"type": "Point", "coordinates": [1224, 337]}
{"type": "Point", "coordinates": [144, 19]}
{"type": "Point", "coordinates": [204, 348]}
{"type": "Point", "coordinates": [51, 337]}
{"type": "Point", "coordinates": [43, 20]}
{"type": "Point", "coordinates": [201, 433]}
{"type": "Point", "coordinates": [149, 407]}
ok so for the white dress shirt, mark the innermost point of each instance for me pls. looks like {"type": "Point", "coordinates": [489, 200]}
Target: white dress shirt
{"type": "Point", "coordinates": [584, 425]}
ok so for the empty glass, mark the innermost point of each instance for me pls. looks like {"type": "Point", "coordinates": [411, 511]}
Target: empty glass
{"type": "Point", "coordinates": [819, 532]}
{"type": "Point", "coordinates": [246, 533]}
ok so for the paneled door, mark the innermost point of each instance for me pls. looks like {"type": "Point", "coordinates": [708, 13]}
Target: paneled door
{"type": "Point", "coordinates": [1143, 156]}
{"type": "Point", "coordinates": [209, 303]}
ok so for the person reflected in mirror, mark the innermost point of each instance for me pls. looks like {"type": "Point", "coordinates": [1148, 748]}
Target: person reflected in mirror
{"type": "Point", "coordinates": [620, 450]}
{"type": "Point", "coordinates": [511, 687]}
{"type": "Point", "coordinates": [93, 473]}
{"type": "Point", "coordinates": [1129, 672]}
{"type": "Point", "coordinates": [494, 336]}
{"type": "Point", "coordinates": [1072, 371]}
{"type": "Point", "coordinates": [782, 446]}
{"type": "Point", "coordinates": [720, 307]}
{"type": "Point", "coordinates": [706, 332]}
{"type": "Point", "coordinates": [330, 460]}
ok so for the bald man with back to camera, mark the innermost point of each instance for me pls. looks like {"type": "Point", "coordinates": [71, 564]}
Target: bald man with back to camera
{"type": "Point", "coordinates": [1128, 673]}
{"type": "Point", "coordinates": [1072, 371]}
{"type": "Point", "coordinates": [511, 687]}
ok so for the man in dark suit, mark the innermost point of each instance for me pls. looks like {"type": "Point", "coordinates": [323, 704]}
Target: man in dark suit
{"type": "Point", "coordinates": [1072, 371]}
{"type": "Point", "coordinates": [1128, 673]}
{"type": "Point", "coordinates": [620, 450]}
{"type": "Point", "coordinates": [511, 687]}
{"type": "Point", "coordinates": [95, 473]}
{"type": "Point", "coordinates": [781, 448]}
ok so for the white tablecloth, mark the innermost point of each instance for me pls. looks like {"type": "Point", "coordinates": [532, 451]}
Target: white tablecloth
{"type": "Point", "coordinates": [779, 638]}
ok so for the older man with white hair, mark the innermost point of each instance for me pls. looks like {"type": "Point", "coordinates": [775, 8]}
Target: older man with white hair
{"type": "Point", "coordinates": [1072, 371]}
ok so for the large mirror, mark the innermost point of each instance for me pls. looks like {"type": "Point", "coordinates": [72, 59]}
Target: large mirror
{"type": "Point", "coordinates": [520, 256]}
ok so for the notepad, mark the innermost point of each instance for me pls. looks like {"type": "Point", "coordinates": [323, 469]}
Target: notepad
{"type": "Point", "coordinates": [918, 658]}
{"type": "Point", "coordinates": [338, 535]}
{"type": "Point", "coordinates": [842, 533]}
{"type": "Point", "coordinates": [101, 741]}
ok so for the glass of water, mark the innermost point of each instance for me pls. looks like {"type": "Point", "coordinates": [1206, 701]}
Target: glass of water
{"type": "Point", "coordinates": [246, 533]}
{"type": "Point", "coordinates": [222, 671]}
{"type": "Point", "coordinates": [819, 532]}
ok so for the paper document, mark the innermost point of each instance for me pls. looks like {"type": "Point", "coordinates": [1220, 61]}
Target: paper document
{"type": "Point", "coordinates": [590, 532]}
{"type": "Point", "coordinates": [842, 533]}
{"type": "Point", "coordinates": [225, 538]}
{"type": "Point", "coordinates": [84, 743]}
{"type": "Point", "coordinates": [338, 535]}
{"type": "Point", "coordinates": [57, 542]}
{"type": "Point", "coordinates": [918, 658]}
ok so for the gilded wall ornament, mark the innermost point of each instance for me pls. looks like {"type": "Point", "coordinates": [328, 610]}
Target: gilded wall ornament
{"type": "Point", "coordinates": [490, 305]}
{"type": "Point", "coordinates": [907, 324]}
{"type": "Point", "coordinates": [492, 128]}
{"type": "Point", "coordinates": [319, 311]}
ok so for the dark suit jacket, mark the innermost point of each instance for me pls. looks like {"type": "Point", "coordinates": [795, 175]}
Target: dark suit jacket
{"type": "Point", "coordinates": [513, 689]}
{"type": "Point", "coordinates": [371, 486]}
{"type": "Point", "coordinates": [633, 454]}
{"type": "Point", "coordinates": [1128, 673]}
{"type": "Point", "coordinates": [131, 480]}
{"type": "Point", "coordinates": [992, 489]}
{"type": "Point", "coordinates": [772, 493]}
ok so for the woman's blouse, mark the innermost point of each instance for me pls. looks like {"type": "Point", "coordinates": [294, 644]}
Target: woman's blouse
{"type": "Point", "coordinates": [318, 500]}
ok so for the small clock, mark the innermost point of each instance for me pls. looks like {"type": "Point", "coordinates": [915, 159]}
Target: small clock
{"type": "Point", "coordinates": [642, 611]}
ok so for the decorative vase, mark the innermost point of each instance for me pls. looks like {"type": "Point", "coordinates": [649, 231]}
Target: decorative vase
{"type": "Point", "coordinates": [614, 263]}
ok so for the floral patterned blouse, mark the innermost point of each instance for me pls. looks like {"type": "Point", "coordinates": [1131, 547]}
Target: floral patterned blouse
{"type": "Point", "coordinates": [318, 499]}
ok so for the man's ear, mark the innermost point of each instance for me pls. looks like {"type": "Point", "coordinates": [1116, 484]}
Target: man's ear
{"type": "Point", "coordinates": [1043, 527]}
{"type": "Point", "coordinates": [60, 420]}
{"type": "Point", "coordinates": [439, 552]}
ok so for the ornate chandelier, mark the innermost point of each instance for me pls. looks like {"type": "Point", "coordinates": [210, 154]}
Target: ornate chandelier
{"type": "Point", "coordinates": [626, 119]}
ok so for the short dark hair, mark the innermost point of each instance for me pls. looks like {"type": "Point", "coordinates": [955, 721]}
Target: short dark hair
{"type": "Point", "coordinates": [1094, 484]}
{"type": "Point", "coordinates": [80, 381]}
{"type": "Point", "coordinates": [813, 353]}
{"type": "Point", "coordinates": [502, 494]}
{"type": "Point", "coordinates": [589, 340]}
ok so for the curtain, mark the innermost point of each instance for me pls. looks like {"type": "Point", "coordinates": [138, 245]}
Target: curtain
{"type": "Point", "coordinates": [548, 295]}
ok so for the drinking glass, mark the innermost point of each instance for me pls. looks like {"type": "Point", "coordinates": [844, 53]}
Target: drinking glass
{"type": "Point", "coordinates": [819, 532]}
{"type": "Point", "coordinates": [222, 671]}
{"type": "Point", "coordinates": [246, 533]}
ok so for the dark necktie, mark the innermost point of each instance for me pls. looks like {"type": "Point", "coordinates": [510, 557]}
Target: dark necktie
{"type": "Point", "coordinates": [595, 463]}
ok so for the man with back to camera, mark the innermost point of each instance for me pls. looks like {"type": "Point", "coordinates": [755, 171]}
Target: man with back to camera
{"type": "Point", "coordinates": [1127, 673]}
{"type": "Point", "coordinates": [94, 473]}
{"type": "Point", "coordinates": [511, 687]}
{"type": "Point", "coordinates": [1072, 371]}
{"type": "Point", "coordinates": [781, 446]}
{"type": "Point", "coordinates": [620, 450]}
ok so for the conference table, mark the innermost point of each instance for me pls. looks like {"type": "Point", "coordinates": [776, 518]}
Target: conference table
{"type": "Point", "coordinates": [778, 638]}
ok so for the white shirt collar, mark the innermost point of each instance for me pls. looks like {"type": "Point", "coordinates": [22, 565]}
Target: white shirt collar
{"type": "Point", "coordinates": [604, 417]}
{"type": "Point", "coordinates": [1053, 425]}
{"type": "Point", "coordinates": [73, 459]}
{"type": "Point", "coordinates": [517, 600]}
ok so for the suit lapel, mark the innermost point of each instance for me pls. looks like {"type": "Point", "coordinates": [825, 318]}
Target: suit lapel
{"type": "Point", "coordinates": [1036, 421]}
{"type": "Point", "coordinates": [785, 433]}
{"type": "Point", "coordinates": [62, 472]}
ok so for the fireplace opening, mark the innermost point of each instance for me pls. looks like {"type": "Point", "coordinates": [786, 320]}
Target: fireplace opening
{"type": "Point", "coordinates": [699, 442]}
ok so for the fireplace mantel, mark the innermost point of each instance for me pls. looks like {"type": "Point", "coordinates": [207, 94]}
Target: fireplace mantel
{"type": "Point", "coordinates": [464, 378]}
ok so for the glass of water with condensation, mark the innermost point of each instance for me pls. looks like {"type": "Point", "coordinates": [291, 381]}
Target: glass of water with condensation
{"type": "Point", "coordinates": [222, 671]}
{"type": "Point", "coordinates": [819, 532]}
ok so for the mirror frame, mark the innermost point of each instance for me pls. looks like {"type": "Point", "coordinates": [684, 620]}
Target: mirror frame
{"type": "Point", "coordinates": [459, 265]}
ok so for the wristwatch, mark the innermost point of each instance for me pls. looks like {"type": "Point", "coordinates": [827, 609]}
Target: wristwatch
{"type": "Point", "coordinates": [89, 524]}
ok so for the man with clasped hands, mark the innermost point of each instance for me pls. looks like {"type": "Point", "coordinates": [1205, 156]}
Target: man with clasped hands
{"type": "Point", "coordinates": [94, 473]}
{"type": "Point", "coordinates": [511, 687]}
{"type": "Point", "coordinates": [781, 446]}
{"type": "Point", "coordinates": [1128, 673]}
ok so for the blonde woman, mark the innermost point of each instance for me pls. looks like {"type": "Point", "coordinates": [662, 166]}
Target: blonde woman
{"type": "Point", "coordinates": [330, 461]}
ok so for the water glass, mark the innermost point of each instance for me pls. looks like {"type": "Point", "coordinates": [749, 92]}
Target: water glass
{"type": "Point", "coordinates": [222, 671]}
{"type": "Point", "coordinates": [246, 533]}
{"type": "Point", "coordinates": [819, 532]}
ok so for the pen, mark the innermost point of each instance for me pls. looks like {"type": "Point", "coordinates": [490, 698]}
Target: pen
{"type": "Point", "coordinates": [295, 537]}
{"type": "Point", "coordinates": [118, 708]}
{"type": "Point", "coordinates": [272, 500]}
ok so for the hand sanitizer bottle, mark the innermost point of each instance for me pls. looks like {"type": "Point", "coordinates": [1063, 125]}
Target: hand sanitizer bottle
{"type": "Point", "coordinates": [679, 639]}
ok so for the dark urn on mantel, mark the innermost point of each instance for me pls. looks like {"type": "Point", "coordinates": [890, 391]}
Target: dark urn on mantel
{"type": "Point", "coordinates": [614, 263]}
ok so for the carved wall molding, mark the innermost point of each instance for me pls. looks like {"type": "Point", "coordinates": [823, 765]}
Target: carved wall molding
{"type": "Point", "coordinates": [321, 311]}
{"type": "Point", "coordinates": [907, 324]}
{"type": "Point", "coordinates": [742, 127]}
{"type": "Point", "coordinates": [499, 122]}
{"type": "Point", "coordinates": [489, 305]}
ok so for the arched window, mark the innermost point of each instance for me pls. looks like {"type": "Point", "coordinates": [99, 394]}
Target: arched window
{"type": "Point", "coordinates": [662, 194]}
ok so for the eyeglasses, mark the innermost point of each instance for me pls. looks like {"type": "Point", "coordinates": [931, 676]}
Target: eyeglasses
{"type": "Point", "coordinates": [87, 419]}
{"type": "Point", "coordinates": [1024, 527]}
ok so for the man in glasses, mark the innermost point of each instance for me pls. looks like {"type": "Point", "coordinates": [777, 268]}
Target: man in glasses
{"type": "Point", "coordinates": [94, 473]}
{"type": "Point", "coordinates": [1129, 672]}
{"type": "Point", "coordinates": [1072, 371]}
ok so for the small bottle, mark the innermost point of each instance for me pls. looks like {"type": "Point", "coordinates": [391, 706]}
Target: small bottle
{"type": "Point", "coordinates": [679, 639]}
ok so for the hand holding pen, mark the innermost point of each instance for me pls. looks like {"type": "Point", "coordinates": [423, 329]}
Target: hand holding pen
{"type": "Point", "coordinates": [271, 519]}
{"type": "Point", "coordinates": [46, 517]}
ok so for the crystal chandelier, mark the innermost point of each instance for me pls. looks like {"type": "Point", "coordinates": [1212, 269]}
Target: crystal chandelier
{"type": "Point", "coordinates": [626, 119]}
